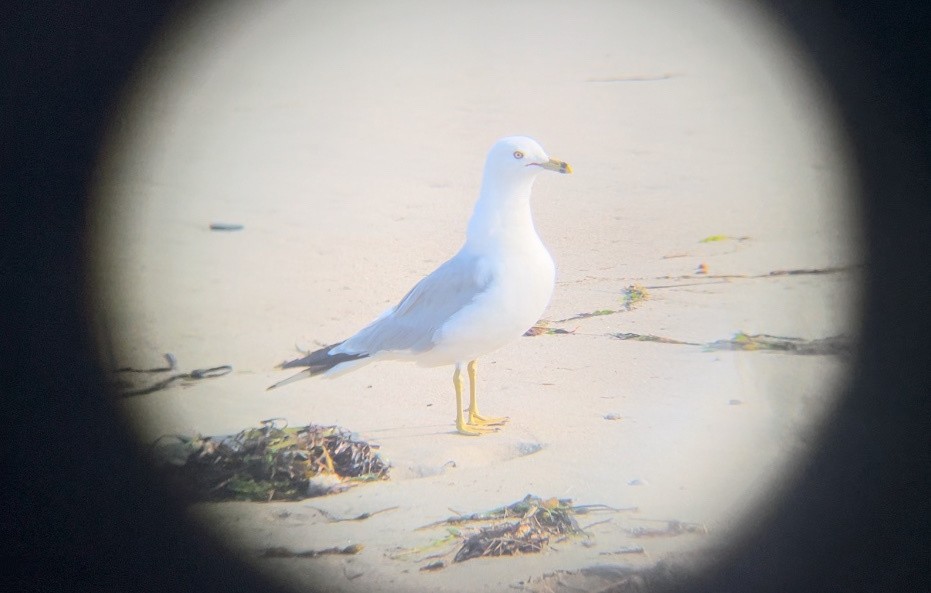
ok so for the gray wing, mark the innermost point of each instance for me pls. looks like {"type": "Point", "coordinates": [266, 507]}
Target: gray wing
{"type": "Point", "coordinates": [411, 325]}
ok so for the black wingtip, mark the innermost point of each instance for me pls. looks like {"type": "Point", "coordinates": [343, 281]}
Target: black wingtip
{"type": "Point", "coordinates": [316, 363]}
{"type": "Point", "coordinates": [320, 361]}
{"type": "Point", "coordinates": [310, 359]}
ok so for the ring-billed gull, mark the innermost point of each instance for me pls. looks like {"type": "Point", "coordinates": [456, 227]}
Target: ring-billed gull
{"type": "Point", "coordinates": [491, 292]}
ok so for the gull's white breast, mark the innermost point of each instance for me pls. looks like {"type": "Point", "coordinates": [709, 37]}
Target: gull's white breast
{"type": "Point", "coordinates": [520, 279]}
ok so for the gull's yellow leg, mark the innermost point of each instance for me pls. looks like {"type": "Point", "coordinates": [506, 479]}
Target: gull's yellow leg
{"type": "Point", "coordinates": [461, 425]}
{"type": "Point", "coordinates": [475, 419]}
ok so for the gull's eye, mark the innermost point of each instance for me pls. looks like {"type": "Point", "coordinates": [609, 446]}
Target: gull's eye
{"type": "Point", "coordinates": [518, 154]}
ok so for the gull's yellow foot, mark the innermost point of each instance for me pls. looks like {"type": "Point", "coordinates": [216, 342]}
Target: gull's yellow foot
{"type": "Point", "coordinates": [475, 419]}
{"type": "Point", "coordinates": [471, 430]}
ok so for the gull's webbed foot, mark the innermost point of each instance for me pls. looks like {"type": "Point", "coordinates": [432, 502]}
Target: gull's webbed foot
{"type": "Point", "coordinates": [475, 419]}
{"type": "Point", "coordinates": [472, 430]}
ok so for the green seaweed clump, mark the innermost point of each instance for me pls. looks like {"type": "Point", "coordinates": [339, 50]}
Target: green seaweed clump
{"type": "Point", "coordinates": [633, 295]}
{"type": "Point", "coordinates": [270, 462]}
{"type": "Point", "coordinates": [537, 521]}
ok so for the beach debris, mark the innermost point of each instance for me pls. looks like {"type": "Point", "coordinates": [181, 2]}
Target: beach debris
{"type": "Point", "coordinates": [613, 416]}
{"type": "Point", "coordinates": [436, 548]}
{"type": "Point", "coordinates": [650, 338]}
{"type": "Point", "coordinates": [630, 298]}
{"type": "Point", "coordinates": [170, 359]}
{"type": "Point", "coordinates": [808, 271]}
{"type": "Point", "coordinates": [598, 313]}
{"type": "Point", "coordinates": [672, 528]}
{"type": "Point", "coordinates": [716, 238]}
{"type": "Point", "coordinates": [269, 462]}
{"type": "Point", "coordinates": [542, 327]}
{"type": "Point", "coordinates": [839, 345]}
{"type": "Point", "coordinates": [223, 226]}
{"type": "Point", "coordinates": [126, 388]}
{"type": "Point", "coordinates": [330, 517]}
{"type": "Point", "coordinates": [771, 274]}
{"type": "Point", "coordinates": [536, 521]}
{"type": "Point", "coordinates": [526, 526]}
{"type": "Point", "coordinates": [528, 504]}
{"type": "Point", "coordinates": [280, 552]}
{"type": "Point", "coordinates": [633, 295]}
{"type": "Point", "coordinates": [624, 550]}
{"type": "Point", "coordinates": [433, 566]}
{"type": "Point", "coordinates": [524, 536]}
{"type": "Point", "coordinates": [702, 268]}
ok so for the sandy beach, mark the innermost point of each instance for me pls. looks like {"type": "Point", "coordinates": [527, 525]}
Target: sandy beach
{"type": "Point", "coordinates": [348, 141]}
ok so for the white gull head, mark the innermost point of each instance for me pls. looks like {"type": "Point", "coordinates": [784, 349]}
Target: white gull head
{"type": "Point", "coordinates": [503, 207]}
{"type": "Point", "coordinates": [519, 158]}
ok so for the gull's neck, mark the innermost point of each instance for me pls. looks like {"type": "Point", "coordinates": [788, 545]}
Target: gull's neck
{"type": "Point", "coordinates": [502, 214]}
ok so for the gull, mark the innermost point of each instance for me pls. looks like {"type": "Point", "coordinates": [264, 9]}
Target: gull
{"type": "Point", "coordinates": [488, 294]}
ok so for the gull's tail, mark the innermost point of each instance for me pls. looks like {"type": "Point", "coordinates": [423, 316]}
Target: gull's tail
{"type": "Point", "coordinates": [317, 362]}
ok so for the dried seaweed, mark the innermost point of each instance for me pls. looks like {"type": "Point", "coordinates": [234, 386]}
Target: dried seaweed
{"type": "Point", "coordinates": [279, 552]}
{"type": "Point", "coordinates": [650, 338]}
{"type": "Point", "coordinates": [542, 327]}
{"type": "Point", "coordinates": [624, 550]}
{"type": "Point", "coordinates": [271, 462]}
{"type": "Point", "coordinates": [835, 345]}
{"type": "Point", "coordinates": [537, 521]}
{"type": "Point", "coordinates": [526, 526]}
{"type": "Point", "coordinates": [772, 274]}
{"type": "Point", "coordinates": [330, 517]}
{"type": "Point", "coordinates": [633, 295]}
{"type": "Point", "coordinates": [436, 548]}
{"type": "Point", "coordinates": [524, 536]}
{"type": "Point", "coordinates": [715, 238]}
{"type": "Point", "coordinates": [588, 315]}
{"type": "Point", "coordinates": [672, 528]}
{"type": "Point", "coordinates": [128, 389]}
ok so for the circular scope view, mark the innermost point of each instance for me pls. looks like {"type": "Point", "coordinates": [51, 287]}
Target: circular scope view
{"type": "Point", "coordinates": [548, 292]}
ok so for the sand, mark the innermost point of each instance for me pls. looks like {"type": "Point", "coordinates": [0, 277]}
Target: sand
{"type": "Point", "coordinates": [348, 141]}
